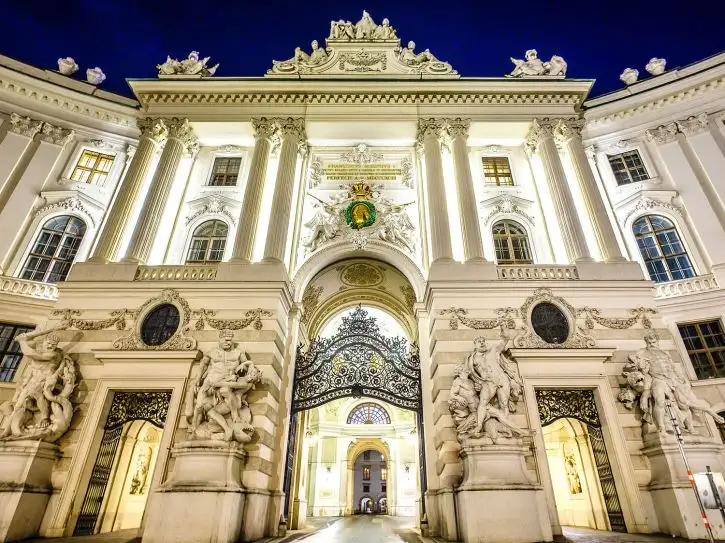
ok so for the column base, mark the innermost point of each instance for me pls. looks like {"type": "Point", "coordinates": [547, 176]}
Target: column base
{"type": "Point", "coordinates": [495, 480]}
{"type": "Point", "coordinates": [25, 487]}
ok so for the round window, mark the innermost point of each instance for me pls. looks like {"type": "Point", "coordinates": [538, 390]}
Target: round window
{"type": "Point", "coordinates": [550, 323]}
{"type": "Point", "coordinates": [160, 324]}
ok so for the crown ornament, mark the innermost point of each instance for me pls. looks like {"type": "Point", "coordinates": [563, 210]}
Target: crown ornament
{"type": "Point", "coordinates": [361, 191]}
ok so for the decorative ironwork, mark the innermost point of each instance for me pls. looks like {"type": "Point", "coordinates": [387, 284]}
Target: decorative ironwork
{"type": "Point", "coordinates": [148, 406]}
{"type": "Point", "coordinates": [357, 361]}
{"type": "Point", "coordinates": [606, 481]}
{"type": "Point", "coordinates": [550, 323]}
{"type": "Point", "coordinates": [368, 413]}
{"type": "Point", "coordinates": [575, 403]}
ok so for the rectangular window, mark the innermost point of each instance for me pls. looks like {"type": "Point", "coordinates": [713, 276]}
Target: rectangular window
{"type": "Point", "coordinates": [383, 474]}
{"type": "Point", "coordinates": [366, 488]}
{"type": "Point", "coordinates": [628, 167]}
{"type": "Point", "coordinates": [366, 473]}
{"type": "Point", "coordinates": [497, 170]}
{"type": "Point", "coordinates": [705, 344]}
{"type": "Point", "coordinates": [10, 354]}
{"type": "Point", "coordinates": [366, 455]}
{"type": "Point", "coordinates": [384, 488]}
{"type": "Point", "coordinates": [92, 167]}
{"type": "Point", "coordinates": [225, 172]}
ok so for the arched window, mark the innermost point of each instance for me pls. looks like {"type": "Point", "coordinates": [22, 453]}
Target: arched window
{"type": "Point", "coordinates": [54, 249]}
{"type": "Point", "coordinates": [661, 249]}
{"type": "Point", "coordinates": [511, 243]}
{"type": "Point", "coordinates": [368, 413]}
{"type": "Point", "coordinates": [208, 242]}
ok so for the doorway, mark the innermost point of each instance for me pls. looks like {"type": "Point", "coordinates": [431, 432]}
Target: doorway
{"type": "Point", "coordinates": [581, 474]}
{"type": "Point", "coordinates": [121, 476]}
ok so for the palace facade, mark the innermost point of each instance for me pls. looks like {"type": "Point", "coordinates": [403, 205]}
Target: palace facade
{"type": "Point", "coordinates": [363, 283]}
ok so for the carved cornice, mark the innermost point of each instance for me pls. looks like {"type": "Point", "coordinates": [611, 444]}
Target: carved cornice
{"type": "Point", "coordinates": [648, 204]}
{"type": "Point", "coordinates": [665, 133]}
{"type": "Point", "coordinates": [56, 135]}
{"type": "Point", "coordinates": [25, 126]}
{"type": "Point", "coordinates": [694, 125]}
{"type": "Point", "coordinates": [565, 131]}
{"type": "Point", "coordinates": [68, 204]}
{"type": "Point", "coordinates": [154, 129]}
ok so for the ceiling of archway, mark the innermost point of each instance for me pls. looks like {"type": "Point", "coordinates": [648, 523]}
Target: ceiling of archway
{"type": "Point", "coordinates": [358, 281]}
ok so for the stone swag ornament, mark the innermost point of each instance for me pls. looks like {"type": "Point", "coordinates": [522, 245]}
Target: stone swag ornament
{"type": "Point", "coordinates": [217, 407]}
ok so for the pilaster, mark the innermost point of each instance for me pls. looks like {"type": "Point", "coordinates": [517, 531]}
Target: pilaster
{"type": "Point", "coordinates": [13, 148]}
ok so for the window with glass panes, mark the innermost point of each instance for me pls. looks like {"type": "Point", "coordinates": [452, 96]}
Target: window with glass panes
{"type": "Point", "coordinates": [225, 171]}
{"type": "Point", "coordinates": [662, 250]}
{"type": "Point", "coordinates": [705, 344]}
{"type": "Point", "coordinates": [628, 167]}
{"type": "Point", "coordinates": [92, 167]}
{"type": "Point", "coordinates": [497, 170]}
{"type": "Point", "coordinates": [511, 243]}
{"type": "Point", "coordinates": [54, 250]}
{"type": "Point", "coordinates": [208, 242]}
{"type": "Point", "coordinates": [10, 354]}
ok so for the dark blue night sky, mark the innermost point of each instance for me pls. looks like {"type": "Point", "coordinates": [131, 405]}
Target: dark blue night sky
{"type": "Point", "coordinates": [128, 38]}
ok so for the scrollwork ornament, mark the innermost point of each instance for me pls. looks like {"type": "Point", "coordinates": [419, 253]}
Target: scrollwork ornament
{"type": "Point", "coordinates": [458, 315]}
{"type": "Point", "coordinates": [639, 314]}
{"type": "Point", "coordinates": [117, 320]}
{"type": "Point", "coordinates": [253, 317]}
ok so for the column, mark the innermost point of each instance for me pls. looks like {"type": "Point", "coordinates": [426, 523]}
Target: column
{"type": "Point", "coordinates": [706, 150]}
{"type": "Point", "coordinates": [180, 140]}
{"type": "Point", "coordinates": [292, 133]}
{"type": "Point", "coordinates": [430, 131]}
{"type": "Point", "coordinates": [247, 231]}
{"type": "Point", "coordinates": [26, 191]}
{"type": "Point", "coordinates": [19, 136]}
{"type": "Point", "coordinates": [153, 132]}
{"type": "Point", "coordinates": [467, 205]}
{"type": "Point", "coordinates": [569, 133]}
{"type": "Point", "coordinates": [541, 139]}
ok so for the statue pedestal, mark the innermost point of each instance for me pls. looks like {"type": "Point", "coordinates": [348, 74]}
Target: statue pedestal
{"type": "Point", "coordinates": [497, 500]}
{"type": "Point", "coordinates": [673, 498]}
{"type": "Point", "coordinates": [25, 470]}
{"type": "Point", "coordinates": [203, 499]}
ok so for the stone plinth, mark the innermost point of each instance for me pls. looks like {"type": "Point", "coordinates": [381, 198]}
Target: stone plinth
{"type": "Point", "coordinates": [203, 499]}
{"type": "Point", "coordinates": [672, 495]}
{"type": "Point", "coordinates": [497, 500]}
{"type": "Point", "coordinates": [25, 469]}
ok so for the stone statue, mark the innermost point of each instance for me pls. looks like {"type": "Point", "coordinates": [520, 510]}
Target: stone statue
{"type": "Point", "coordinates": [143, 462]}
{"type": "Point", "coordinates": [652, 376]}
{"type": "Point", "coordinates": [572, 473]}
{"type": "Point", "coordinates": [193, 65]}
{"type": "Point", "coordinates": [409, 57]}
{"type": "Point", "coordinates": [324, 226]}
{"type": "Point", "coordinates": [365, 27]}
{"type": "Point", "coordinates": [396, 228]}
{"type": "Point", "coordinates": [533, 66]}
{"type": "Point", "coordinates": [488, 373]}
{"type": "Point", "coordinates": [302, 61]}
{"type": "Point", "coordinates": [217, 408]}
{"type": "Point", "coordinates": [41, 408]}
{"type": "Point", "coordinates": [385, 31]}
{"type": "Point", "coordinates": [67, 66]}
{"type": "Point", "coordinates": [342, 30]}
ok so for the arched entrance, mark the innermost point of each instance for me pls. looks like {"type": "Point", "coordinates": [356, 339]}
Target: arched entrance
{"type": "Point", "coordinates": [356, 388]}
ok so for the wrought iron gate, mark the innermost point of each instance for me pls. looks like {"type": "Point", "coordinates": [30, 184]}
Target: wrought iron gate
{"type": "Point", "coordinates": [579, 404]}
{"type": "Point", "coordinates": [125, 407]}
{"type": "Point", "coordinates": [358, 360]}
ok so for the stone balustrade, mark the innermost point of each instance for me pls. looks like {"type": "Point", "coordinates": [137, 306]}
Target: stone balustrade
{"type": "Point", "coordinates": [533, 272]}
{"type": "Point", "coordinates": [31, 289]}
{"type": "Point", "coordinates": [176, 273]}
{"type": "Point", "coordinates": [692, 285]}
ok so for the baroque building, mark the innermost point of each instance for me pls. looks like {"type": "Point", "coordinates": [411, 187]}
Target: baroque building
{"type": "Point", "coordinates": [362, 283]}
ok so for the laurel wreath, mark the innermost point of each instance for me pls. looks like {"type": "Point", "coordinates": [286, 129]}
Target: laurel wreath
{"type": "Point", "coordinates": [351, 222]}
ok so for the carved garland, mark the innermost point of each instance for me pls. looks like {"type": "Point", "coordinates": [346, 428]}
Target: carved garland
{"type": "Point", "coordinates": [459, 315]}
{"type": "Point", "coordinates": [252, 317]}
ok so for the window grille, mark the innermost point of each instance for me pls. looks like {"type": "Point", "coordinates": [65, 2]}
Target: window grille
{"type": "Point", "coordinates": [497, 171]}
{"type": "Point", "coordinates": [92, 167]}
{"type": "Point", "coordinates": [10, 354]}
{"type": "Point", "coordinates": [511, 243]}
{"type": "Point", "coordinates": [368, 413]}
{"type": "Point", "coordinates": [663, 253]}
{"type": "Point", "coordinates": [628, 167]}
{"type": "Point", "coordinates": [705, 344]}
{"type": "Point", "coordinates": [208, 242]}
{"type": "Point", "coordinates": [225, 172]}
{"type": "Point", "coordinates": [54, 250]}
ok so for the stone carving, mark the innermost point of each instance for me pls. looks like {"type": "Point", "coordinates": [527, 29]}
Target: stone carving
{"type": "Point", "coordinates": [180, 129]}
{"type": "Point", "coordinates": [140, 475]}
{"type": "Point", "coordinates": [41, 408]}
{"type": "Point", "coordinates": [25, 126]}
{"type": "Point", "coordinates": [214, 206]}
{"type": "Point", "coordinates": [361, 274]}
{"type": "Point", "coordinates": [506, 205]}
{"type": "Point", "coordinates": [365, 29]}
{"type": "Point", "coordinates": [67, 66]}
{"type": "Point", "coordinates": [118, 320]}
{"type": "Point", "coordinates": [593, 315]}
{"type": "Point", "coordinates": [95, 76]}
{"type": "Point", "coordinates": [153, 128]}
{"type": "Point", "coordinates": [301, 62]}
{"type": "Point", "coordinates": [656, 66]}
{"type": "Point", "coordinates": [363, 61]}
{"type": "Point", "coordinates": [67, 204]}
{"type": "Point", "coordinates": [411, 58]}
{"type": "Point", "coordinates": [252, 317]}
{"type": "Point", "coordinates": [572, 473]}
{"type": "Point", "coordinates": [409, 295]}
{"type": "Point", "coordinates": [217, 407]}
{"type": "Point", "coordinates": [653, 380]}
{"type": "Point", "coordinates": [310, 301]}
{"type": "Point", "coordinates": [696, 124]}
{"type": "Point", "coordinates": [485, 391]}
{"type": "Point", "coordinates": [629, 76]}
{"type": "Point", "coordinates": [397, 228]}
{"type": "Point", "coordinates": [325, 225]}
{"type": "Point", "coordinates": [56, 135]}
{"type": "Point", "coordinates": [663, 134]}
{"type": "Point", "coordinates": [192, 66]}
{"type": "Point", "coordinates": [458, 315]}
{"type": "Point", "coordinates": [648, 204]}
{"type": "Point", "coordinates": [532, 66]}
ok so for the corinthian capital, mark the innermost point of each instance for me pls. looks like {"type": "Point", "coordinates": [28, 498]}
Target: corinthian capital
{"type": "Point", "coordinates": [665, 133]}
{"type": "Point", "coordinates": [153, 128]}
{"type": "Point", "coordinates": [567, 130]}
{"type": "Point", "coordinates": [694, 125]}
{"type": "Point", "coordinates": [458, 127]}
{"type": "Point", "coordinates": [56, 135]}
{"type": "Point", "coordinates": [291, 126]}
{"type": "Point", "coordinates": [181, 130]}
{"type": "Point", "coordinates": [431, 127]}
{"type": "Point", "coordinates": [25, 126]}
{"type": "Point", "coordinates": [264, 127]}
{"type": "Point", "coordinates": [540, 130]}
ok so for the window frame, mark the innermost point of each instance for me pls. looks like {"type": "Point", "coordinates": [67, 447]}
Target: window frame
{"type": "Point", "coordinates": [621, 156]}
{"type": "Point", "coordinates": [496, 183]}
{"type": "Point", "coordinates": [209, 248]}
{"type": "Point", "coordinates": [75, 165]}
{"type": "Point", "coordinates": [707, 351]}
{"type": "Point", "coordinates": [509, 242]}
{"type": "Point", "coordinates": [12, 368]}
{"type": "Point", "coordinates": [369, 407]}
{"type": "Point", "coordinates": [224, 156]}
{"type": "Point", "coordinates": [32, 244]}
{"type": "Point", "coordinates": [662, 255]}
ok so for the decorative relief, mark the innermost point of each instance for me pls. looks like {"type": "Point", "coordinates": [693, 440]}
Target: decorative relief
{"type": "Point", "coordinates": [310, 302]}
{"type": "Point", "coordinates": [361, 154]}
{"type": "Point", "coordinates": [565, 131]}
{"type": "Point", "coordinates": [181, 130]}
{"type": "Point", "coordinates": [559, 403]}
{"type": "Point", "coordinates": [409, 297]}
{"type": "Point", "coordinates": [534, 67]}
{"type": "Point", "coordinates": [67, 204]}
{"type": "Point", "coordinates": [25, 126]}
{"type": "Point", "coordinates": [118, 319]}
{"type": "Point", "coordinates": [252, 317]}
{"type": "Point", "coordinates": [694, 125]}
{"type": "Point", "coordinates": [315, 172]}
{"type": "Point", "coordinates": [577, 338]}
{"type": "Point", "coordinates": [55, 134]}
{"type": "Point", "coordinates": [506, 316]}
{"type": "Point", "coordinates": [191, 67]}
{"type": "Point", "coordinates": [213, 207]}
{"type": "Point", "coordinates": [540, 129]}
{"type": "Point", "coordinates": [656, 66]}
{"type": "Point", "coordinates": [666, 133]}
{"type": "Point", "coordinates": [648, 204]}
{"type": "Point", "coordinates": [363, 61]}
{"type": "Point", "coordinates": [361, 275]}
{"type": "Point", "coordinates": [639, 314]}
{"type": "Point", "coordinates": [506, 205]}
{"type": "Point", "coordinates": [153, 128]}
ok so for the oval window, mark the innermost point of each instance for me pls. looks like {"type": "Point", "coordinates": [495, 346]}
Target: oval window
{"type": "Point", "coordinates": [550, 323]}
{"type": "Point", "coordinates": [160, 324]}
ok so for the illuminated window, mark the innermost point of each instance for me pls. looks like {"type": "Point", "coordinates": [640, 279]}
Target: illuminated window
{"type": "Point", "coordinates": [497, 170]}
{"type": "Point", "coordinates": [383, 474]}
{"type": "Point", "coordinates": [225, 172]}
{"type": "Point", "coordinates": [208, 242]}
{"type": "Point", "coordinates": [368, 413]}
{"type": "Point", "coordinates": [54, 250]}
{"type": "Point", "coordinates": [628, 167]}
{"type": "Point", "coordinates": [663, 253]}
{"type": "Point", "coordinates": [92, 167]}
{"type": "Point", "coordinates": [705, 343]}
{"type": "Point", "coordinates": [511, 243]}
{"type": "Point", "coordinates": [366, 473]}
{"type": "Point", "coordinates": [10, 354]}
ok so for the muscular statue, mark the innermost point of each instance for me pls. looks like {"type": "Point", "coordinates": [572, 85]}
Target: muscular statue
{"type": "Point", "coordinates": [216, 406]}
{"type": "Point", "coordinates": [656, 380]}
{"type": "Point", "coordinates": [485, 391]}
{"type": "Point", "coordinates": [41, 408]}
